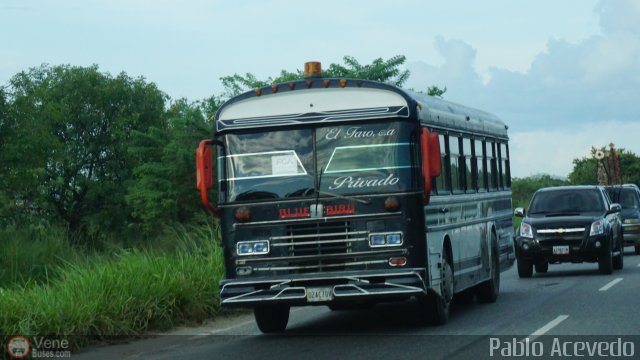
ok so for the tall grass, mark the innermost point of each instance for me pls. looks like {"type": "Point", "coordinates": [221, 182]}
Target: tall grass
{"type": "Point", "coordinates": [127, 294]}
{"type": "Point", "coordinates": [33, 254]}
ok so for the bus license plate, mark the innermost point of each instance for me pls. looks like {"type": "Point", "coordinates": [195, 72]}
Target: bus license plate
{"type": "Point", "coordinates": [561, 250]}
{"type": "Point", "coordinates": [319, 294]}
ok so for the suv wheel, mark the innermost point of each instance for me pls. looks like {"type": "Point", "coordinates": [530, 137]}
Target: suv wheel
{"type": "Point", "coordinates": [605, 263]}
{"type": "Point", "coordinates": [542, 266]}
{"type": "Point", "coordinates": [525, 268]}
{"type": "Point", "coordinates": [618, 261]}
{"type": "Point", "coordinates": [637, 249]}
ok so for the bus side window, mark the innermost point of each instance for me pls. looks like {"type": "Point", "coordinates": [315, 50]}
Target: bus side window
{"type": "Point", "coordinates": [481, 166]}
{"type": "Point", "coordinates": [454, 161]}
{"type": "Point", "coordinates": [441, 182]}
{"type": "Point", "coordinates": [469, 173]}
{"type": "Point", "coordinates": [492, 166]}
{"type": "Point", "coordinates": [505, 173]}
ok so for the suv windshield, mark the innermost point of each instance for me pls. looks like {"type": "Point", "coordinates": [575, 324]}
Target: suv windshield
{"type": "Point", "coordinates": [567, 201]}
{"type": "Point", "coordinates": [352, 159]}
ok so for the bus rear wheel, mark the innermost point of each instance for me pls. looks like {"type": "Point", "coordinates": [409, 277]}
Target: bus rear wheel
{"type": "Point", "coordinates": [271, 318]}
{"type": "Point", "coordinates": [488, 291]}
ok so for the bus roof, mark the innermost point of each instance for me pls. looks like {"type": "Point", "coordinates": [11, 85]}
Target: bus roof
{"type": "Point", "coordinates": [325, 100]}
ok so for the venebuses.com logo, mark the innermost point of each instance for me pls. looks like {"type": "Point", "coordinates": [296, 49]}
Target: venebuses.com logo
{"type": "Point", "coordinates": [21, 347]}
{"type": "Point", "coordinates": [18, 347]}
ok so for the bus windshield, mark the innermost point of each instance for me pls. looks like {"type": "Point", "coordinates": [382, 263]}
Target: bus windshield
{"type": "Point", "coordinates": [339, 159]}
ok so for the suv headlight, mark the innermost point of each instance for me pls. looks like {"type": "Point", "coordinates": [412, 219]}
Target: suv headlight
{"type": "Point", "coordinates": [526, 230]}
{"type": "Point", "coordinates": [597, 228]}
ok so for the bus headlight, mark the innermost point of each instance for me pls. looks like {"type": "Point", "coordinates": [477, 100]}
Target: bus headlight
{"type": "Point", "coordinates": [259, 247]}
{"type": "Point", "coordinates": [385, 239]}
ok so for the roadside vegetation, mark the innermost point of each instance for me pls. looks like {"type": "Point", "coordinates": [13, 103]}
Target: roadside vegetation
{"type": "Point", "coordinates": [101, 229]}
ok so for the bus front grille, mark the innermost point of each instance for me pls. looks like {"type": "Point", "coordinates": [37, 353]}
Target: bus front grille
{"type": "Point", "coordinates": [314, 246]}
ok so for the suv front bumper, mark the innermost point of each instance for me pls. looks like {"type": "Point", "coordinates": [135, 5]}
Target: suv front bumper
{"type": "Point", "coordinates": [631, 234]}
{"type": "Point", "coordinates": [589, 249]}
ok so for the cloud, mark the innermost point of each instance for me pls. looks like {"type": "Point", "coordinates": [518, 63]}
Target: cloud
{"type": "Point", "coordinates": [573, 96]}
{"type": "Point", "coordinates": [553, 151]}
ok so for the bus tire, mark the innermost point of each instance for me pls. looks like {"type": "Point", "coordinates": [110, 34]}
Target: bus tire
{"type": "Point", "coordinates": [525, 268]}
{"type": "Point", "coordinates": [437, 307]}
{"type": "Point", "coordinates": [271, 318]}
{"type": "Point", "coordinates": [487, 292]}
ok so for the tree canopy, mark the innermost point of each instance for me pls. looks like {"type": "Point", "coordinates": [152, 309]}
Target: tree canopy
{"type": "Point", "coordinates": [114, 155]}
{"type": "Point", "coordinates": [388, 71]}
{"type": "Point", "coordinates": [585, 169]}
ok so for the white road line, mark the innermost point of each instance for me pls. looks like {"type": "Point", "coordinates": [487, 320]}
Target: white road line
{"type": "Point", "coordinates": [543, 330]}
{"type": "Point", "coordinates": [638, 265]}
{"type": "Point", "coordinates": [610, 284]}
{"type": "Point", "coordinates": [553, 323]}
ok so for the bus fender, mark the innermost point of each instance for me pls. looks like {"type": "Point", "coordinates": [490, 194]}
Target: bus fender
{"type": "Point", "coordinates": [435, 263]}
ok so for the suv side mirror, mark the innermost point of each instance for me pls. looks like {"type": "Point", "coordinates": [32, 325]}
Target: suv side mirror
{"type": "Point", "coordinates": [614, 208]}
{"type": "Point", "coordinates": [519, 212]}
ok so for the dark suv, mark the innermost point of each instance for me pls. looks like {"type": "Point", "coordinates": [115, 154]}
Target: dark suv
{"type": "Point", "coordinates": [569, 224]}
{"type": "Point", "coordinates": [628, 196]}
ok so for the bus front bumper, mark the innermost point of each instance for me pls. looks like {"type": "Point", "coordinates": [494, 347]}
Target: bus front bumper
{"type": "Point", "coordinates": [322, 289]}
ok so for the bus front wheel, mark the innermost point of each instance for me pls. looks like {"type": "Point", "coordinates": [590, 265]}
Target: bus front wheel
{"type": "Point", "coordinates": [437, 306]}
{"type": "Point", "coordinates": [271, 318]}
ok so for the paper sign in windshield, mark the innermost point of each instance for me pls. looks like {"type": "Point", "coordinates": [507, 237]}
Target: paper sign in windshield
{"type": "Point", "coordinates": [284, 164]}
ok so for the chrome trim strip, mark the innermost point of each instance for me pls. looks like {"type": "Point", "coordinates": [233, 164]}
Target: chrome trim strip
{"type": "Point", "coordinates": [319, 242]}
{"type": "Point", "coordinates": [291, 237]}
{"type": "Point", "coordinates": [560, 231]}
{"type": "Point", "coordinates": [324, 256]}
{"type": "Point", "coordinates": [316, 220]}
{"type": "Point", "coordinates": [320, 266]}
{"type": "Point", "coordinates": [359, 278]}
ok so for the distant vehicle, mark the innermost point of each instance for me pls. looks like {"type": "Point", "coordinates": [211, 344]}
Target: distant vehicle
{"type": "Point", "coordinates": [569, 224]}
{"type": "Point", "coordinates": [628, 196]}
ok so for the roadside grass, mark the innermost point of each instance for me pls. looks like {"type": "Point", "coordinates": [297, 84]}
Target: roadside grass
{"type": "Point", "coordinates": [126, 294]}
{"type": "Point", "coordinates": [33, 254]}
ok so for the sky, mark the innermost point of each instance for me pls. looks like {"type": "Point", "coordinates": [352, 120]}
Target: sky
{"type": "Point", "coordinates": [563, 75]}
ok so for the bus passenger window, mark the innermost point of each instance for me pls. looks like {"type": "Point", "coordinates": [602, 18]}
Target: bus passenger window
{"type": "Point", "coordinates": [469, 173]}
{"type": "Point", "coordinates": [454, 161]}
{"type": "Point", "coordinates": [505, 173]}
{"type": "Point", "coordinates": [492, 166]}
{"type": "Point", "coordinates": [481, 165]}
{"type": "Point", "coordinates": [442, 185]}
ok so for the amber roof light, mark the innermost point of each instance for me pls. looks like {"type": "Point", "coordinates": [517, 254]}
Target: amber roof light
{"type": "Point", "coordinates": [312, 69]}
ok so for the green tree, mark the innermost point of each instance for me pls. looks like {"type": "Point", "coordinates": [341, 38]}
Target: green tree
{"type": "Point", "coordinates": [523, 188]}
{"type": "Point", "coordinates": [436, 91]}
{"type": "Point", "coordinates": [67, 134]}
{"type": "Point", "coordinates": [388, 71]}
{"type": "Point", "coordinates": [585, 169]}
{"type": "Point", "coordinates": [162, 190]}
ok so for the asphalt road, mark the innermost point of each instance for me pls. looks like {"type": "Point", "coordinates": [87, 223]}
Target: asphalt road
{"type": "Point", "coordinates": [571, 310]}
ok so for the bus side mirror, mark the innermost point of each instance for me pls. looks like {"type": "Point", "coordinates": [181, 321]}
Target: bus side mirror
{"type": "Point", "coordinates": [204, 173]}
{"type": "Point", "coordinates": [430, 151]}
